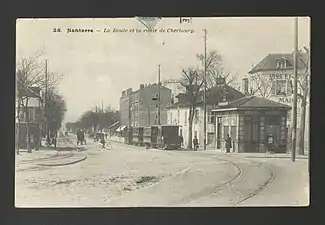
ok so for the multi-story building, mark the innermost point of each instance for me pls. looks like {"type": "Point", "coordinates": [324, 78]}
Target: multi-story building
{"type": "Point", "coordinates": [34, 116]}
{"type": "Point", "coordinates": [140, 107]}
{"type": "Point", "coordinates": [272, 78]}
{"type": "Point", "coordinates": [178, 114]}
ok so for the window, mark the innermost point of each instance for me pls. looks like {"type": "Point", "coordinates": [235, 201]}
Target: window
{"type": "Point", "coordinates": [279, 87]}
{"type": "Point", "coordinates": [233, 132]}
{"type": "Point", "coordinates": [225, 131]}
{"type": "Point", "coordinates": [289, 87]}
{"type": "Point", "coordinates": [178, 114]}
{"type": "Point", "coordinates": [185, 118]}
{"type": "Point", "coordinates": [171, 117]}
{"type": "Point", "coordinates": [195, 133]}
{"type": "Point", "coordinates": [281, 64]}
{"type": "Point", "coordinates": [196, 115]}
{"type": "Point", "coordinates": [211, 117]}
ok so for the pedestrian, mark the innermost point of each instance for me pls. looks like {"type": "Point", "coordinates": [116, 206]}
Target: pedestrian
{"type": "Point", "coordinates": [228, 143]}
{"type": "Point", "coordinates": [195, 143]}
{"type": "Point", "coordinates": [181, 141]}
{"type": "Point", "coordinates": [54, 139]}
{"type": "Point", "coordinates": [78, 137]}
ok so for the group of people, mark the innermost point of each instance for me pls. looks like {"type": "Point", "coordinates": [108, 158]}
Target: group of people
{"type": "Point", "coordinates": [81, 137]}
{"type": "Point", "coordinates": [228, 144]}
{"type": "Point", "coordinates": [99, 137]}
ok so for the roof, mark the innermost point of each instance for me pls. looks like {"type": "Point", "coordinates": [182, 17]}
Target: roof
{"type": "Point", "coordinates": [214, 96]}
{"type": "Point", "coordinates": [252, 101]}
{"type": "Point", "coordinates": [269, 62]}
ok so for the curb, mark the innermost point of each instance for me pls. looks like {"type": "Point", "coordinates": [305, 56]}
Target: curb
{"type": "Point", "coordinates": [67, 163]}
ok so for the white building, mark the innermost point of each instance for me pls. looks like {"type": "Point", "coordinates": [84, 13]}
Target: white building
{"type": "Point", "coordinates": [178, 114]}
{"type": "Point", "coordinates": [272, 78]}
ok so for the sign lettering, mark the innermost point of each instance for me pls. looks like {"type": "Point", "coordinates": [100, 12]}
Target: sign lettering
{"type": "Point", "coordinates": [280, 76]}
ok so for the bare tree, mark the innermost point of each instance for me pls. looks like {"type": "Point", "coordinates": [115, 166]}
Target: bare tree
{"type": "Point", "coordinates": [192, 81]}
{"type": "Point", "coordinates": [31, 73]}
{"type": "Point", "coordinates": [216, 71]}
{"type": "Point", "coordinates": [262, 85]}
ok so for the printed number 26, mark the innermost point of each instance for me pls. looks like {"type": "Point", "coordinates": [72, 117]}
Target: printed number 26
{"type": "Point", "coordinates": [56, 30]}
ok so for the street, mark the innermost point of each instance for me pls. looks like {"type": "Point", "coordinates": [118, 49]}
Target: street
{"type": "Point", "coordinates": [129, 176]}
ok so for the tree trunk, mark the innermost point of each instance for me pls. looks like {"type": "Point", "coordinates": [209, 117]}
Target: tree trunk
{"type": "Point", "coordinates": [302, 126]}
{"type": "Point", "coordinates": [190, 128]}
{"type": "Point", "coordinates": [29, 150]}
{"type": "Point", "coordinates": [18, 127]}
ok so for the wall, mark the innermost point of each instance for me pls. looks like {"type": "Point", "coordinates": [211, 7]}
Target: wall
{"type": "Point", "coordinates": [124, 111]}
{"type": "Point", "coordinates": [229, 119]}
{"type": "Point", "coordinates": [180, 117]}
{"type": "Point", "coordinates": [146, 109]}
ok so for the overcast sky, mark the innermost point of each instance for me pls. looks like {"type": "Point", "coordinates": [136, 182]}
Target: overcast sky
{"type": "Point", "coordinates": [99, 66]}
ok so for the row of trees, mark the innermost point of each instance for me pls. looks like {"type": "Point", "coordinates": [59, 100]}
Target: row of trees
{"type": "Point", "coordinates": [94, 120]}
{"type": "Point", "coordinates": [192, 81]}
{"type": "Point", "coordinates": [35, 82]}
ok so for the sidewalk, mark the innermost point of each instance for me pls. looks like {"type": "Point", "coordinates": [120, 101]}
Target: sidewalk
{"type": "Point", "coordinates": [256, 155]}
{"type": "Point", "coordinates": [47, 156]}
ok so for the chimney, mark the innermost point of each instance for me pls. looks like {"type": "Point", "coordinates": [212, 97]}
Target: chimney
{"type": "Point", "coordinates": [141, 86]}
{"type": "Point", "coordinates": [129, 91]}
{"type": "Point", "coordinates": [245, 86]}
{"type": "Point", "coordinates": [221, 81]}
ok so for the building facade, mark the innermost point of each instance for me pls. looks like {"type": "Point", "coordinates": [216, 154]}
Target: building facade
{"type": "Point", "coordinates": [140, 107]}
{"type": "Point", "coordinates": [178, 114]}
{"type": "Point", "coordinates": [272, 78]}
{"type": "Point", "coordinates": [34, 115]}
{"type": "Point", "coordinates": [252, 122]}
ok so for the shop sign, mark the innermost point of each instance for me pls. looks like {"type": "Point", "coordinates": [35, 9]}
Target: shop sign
{"type": "Point", "coordinates": [280, 76]}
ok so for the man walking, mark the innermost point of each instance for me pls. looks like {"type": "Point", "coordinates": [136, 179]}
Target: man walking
{"type": "Point", "coordinates": [228, 144]}
{"type": "Point", "coordinates": [195, 143]}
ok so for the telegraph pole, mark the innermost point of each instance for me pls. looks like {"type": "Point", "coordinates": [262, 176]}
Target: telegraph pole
{"type": "Point", "coordinates": [205, 89]}
{"type": "Point", "coordinates": [294, 107]}
{"type": "Point", "coordinates": [102, 118]}
{"type": "Point", "coordinates": [45, 103]}
{"type": "Point", "coordinates": [159, 94]}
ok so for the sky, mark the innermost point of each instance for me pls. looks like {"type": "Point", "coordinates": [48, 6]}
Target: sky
{"type": "Point", "coordinates": [98, 66]}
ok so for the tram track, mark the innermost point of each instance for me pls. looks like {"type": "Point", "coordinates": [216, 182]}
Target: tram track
{"type": "Point", "coordinates": [235, 181]}
{"type": "Point", "coordinates": [261, 188]}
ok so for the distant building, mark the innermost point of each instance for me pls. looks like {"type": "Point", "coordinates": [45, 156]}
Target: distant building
{"type": "Point", "coordinates": [178, 113]}
{"type": "Point", "coordinates": [272, 78]}
{"type": "Point", "coordinates": [141, 106]}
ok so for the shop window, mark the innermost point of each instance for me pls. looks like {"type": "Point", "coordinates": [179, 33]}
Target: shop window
{"type": "Point", "coordinates": [225, 131]}
{"type": "Point", "coordinates": [233, 132]}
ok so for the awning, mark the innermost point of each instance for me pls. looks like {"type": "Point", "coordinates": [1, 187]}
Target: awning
{"type": "Point", "coordinates": [121, 128]}
{"type": "Point", "coordinates": [113, 125]}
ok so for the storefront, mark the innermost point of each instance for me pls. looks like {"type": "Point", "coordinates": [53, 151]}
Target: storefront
{"type": "Point", "coordinates": [254, 125]}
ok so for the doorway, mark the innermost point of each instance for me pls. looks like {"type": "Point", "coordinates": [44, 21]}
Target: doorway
{"type": "Point", "coordinates": [251, 137]}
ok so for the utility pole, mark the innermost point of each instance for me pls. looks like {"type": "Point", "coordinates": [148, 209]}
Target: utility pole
{"type": "Point", "coordinates": [102, 118]}
{"type": "Point", "coordinates": [45, 104]}
{"type": "Point", "coordinates": [159, 94]}
{"type": "Point", "coordinates": [205, 89]}
{"type": "Point", "coordinates": [294, 107]}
